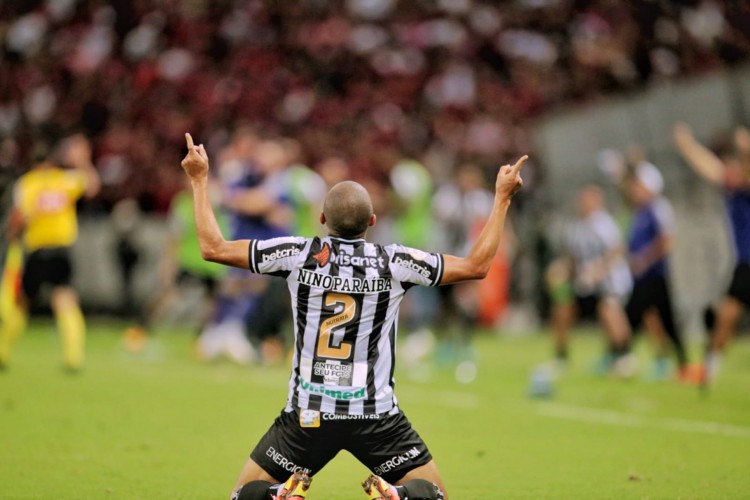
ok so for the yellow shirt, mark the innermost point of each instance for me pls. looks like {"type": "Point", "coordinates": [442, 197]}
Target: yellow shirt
{"type": "Point", "coordinates": [47, 199]}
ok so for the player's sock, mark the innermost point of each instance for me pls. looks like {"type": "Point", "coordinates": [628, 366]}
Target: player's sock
{"type": "Point", "coordinates": [713, 365]}
{"type": "Point", "coordinates": [561, 353]}
{"type": "Point", "coordinates": [72, 328]}
{"type": "Point", "coordinates": [679, 347]}
{"type": "Point", "coordinates": [661, 368]}
{"type": "Point", "coordinates": [256, 490]}
{"type": "Point", "coordinates": [12, 316]}
{"type": "Point", "coordinates": [419, 489]}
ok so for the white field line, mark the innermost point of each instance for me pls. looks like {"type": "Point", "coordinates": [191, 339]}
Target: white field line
{"type": "Point", "coordinates": [622, 419]}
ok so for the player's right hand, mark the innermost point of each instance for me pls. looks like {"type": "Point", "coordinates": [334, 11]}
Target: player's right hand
{"type": "Point", "coordinates": [195, 162]}
{"type": "Point", "coordinates": [78, 151]}
{"type": "Point", "coordinates": [509, 179]}
{"type": "Point", "coordinates": [742, 140]}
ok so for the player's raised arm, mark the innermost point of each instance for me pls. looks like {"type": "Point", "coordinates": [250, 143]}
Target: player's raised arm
{"type": "Point", "coordinates": [79, 156]}
{"type": "Point", "coordinates": [701, 159]}
{"type": "Point", "coordinates": [477, 263]}
{"type": "Point", "coordinates": [213, 245]}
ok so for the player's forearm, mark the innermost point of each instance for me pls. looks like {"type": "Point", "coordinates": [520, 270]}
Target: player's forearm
{"type": "Point", "coordinates": [613, 256]}
{"type": "Point", "coordinates": [477, 264]}
{"type": "Point", "coordinates": [212, 243]}
{"type": "Point", "coordinates": [206, 226]}
{"type": "Point", "coordinates": [16, 223]}
{"type": "Point", "coordinates": [701, 159]}
{"type": "Point", "coordinates": [485, 248]}
{"type": "Point", "coordinates": [650, 255]}
{"type": "Point", "coordinates": [93, 183]}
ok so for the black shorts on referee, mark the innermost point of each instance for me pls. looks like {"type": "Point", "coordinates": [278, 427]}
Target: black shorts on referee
{"type": "Point", "coordinates": [740, 286]}
{"type": "Point", "coordinates": [46, 266]}
{"type": "Point", "coordinates": [307, 440]}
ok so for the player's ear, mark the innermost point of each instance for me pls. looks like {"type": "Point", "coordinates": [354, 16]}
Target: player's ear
{"type": "Point", "coordinates": [373, 219]}
{"type": "Point", "coordinates": [322, 218]}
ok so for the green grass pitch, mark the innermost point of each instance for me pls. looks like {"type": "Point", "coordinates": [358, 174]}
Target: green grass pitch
{"type": "Point", "coordinates": [161, 426]}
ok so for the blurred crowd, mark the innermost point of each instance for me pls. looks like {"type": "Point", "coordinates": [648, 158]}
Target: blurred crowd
{"type": "Point", "coordinates": [442, 81]}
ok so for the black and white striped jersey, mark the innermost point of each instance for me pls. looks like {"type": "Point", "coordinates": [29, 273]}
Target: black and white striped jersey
{"type": "Point", "coordinates": [345, 300]}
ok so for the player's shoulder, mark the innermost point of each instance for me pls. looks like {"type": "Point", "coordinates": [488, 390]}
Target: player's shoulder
{"type": "Point", "coordinates": [409, 258]}
{"type": "Point", "coordinates": [662, 212]}
{"type": "Point", "coordinates": [397, 248]}
{"type": "Point", "coordinates": [661, 207]}
{"type": "Point", "coordinates": [294, 243]}
{"type": "Point", "coordinates": [604, 220]}
{"type": "Point", "coordinates": [33, 175]}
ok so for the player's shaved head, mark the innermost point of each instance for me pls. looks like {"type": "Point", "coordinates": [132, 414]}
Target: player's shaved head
{"type": "Point", "coordinates": [347, 209]}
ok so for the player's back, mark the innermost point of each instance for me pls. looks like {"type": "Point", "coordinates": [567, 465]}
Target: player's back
{"type": "Point", "coordinates": [738, 210]}
{"type": "Point", "coordinates": [345, 298]}
{"type": "Point", "coordinates": [46, 197]}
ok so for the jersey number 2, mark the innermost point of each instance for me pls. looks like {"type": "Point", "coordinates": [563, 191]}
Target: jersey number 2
{"type": "Point", "coordinates": [347, 315]}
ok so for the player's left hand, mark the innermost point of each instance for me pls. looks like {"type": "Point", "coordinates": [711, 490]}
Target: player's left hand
{"type": "Point", "coordinates": [195, 162]}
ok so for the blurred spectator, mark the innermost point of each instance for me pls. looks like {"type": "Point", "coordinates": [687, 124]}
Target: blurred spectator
{"type": "Point", "coordinates": [181, 271]}
{"type": "Point", "coordinates": [650, 245]}
{"type": "Point", "coordinates": [255, 193]}
{"type": "Point", "coordinates": [461, 209]}
{"type": "Point", "coordinates": [591, 279]}
{"type": "Point", "coordinates": [414, 226]}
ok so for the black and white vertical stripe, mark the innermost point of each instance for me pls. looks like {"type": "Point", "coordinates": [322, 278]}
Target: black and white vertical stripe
{"type": "Point", "coordinates": [371, 333]}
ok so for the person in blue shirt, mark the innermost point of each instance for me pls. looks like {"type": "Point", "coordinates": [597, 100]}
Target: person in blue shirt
{"type": "Point", "coordinates": [731, 172]}
{"type": "Point", "coordinates": [649, 246]}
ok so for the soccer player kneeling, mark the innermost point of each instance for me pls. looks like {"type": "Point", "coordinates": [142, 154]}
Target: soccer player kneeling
{"type": "Point", "coordinates": [345, 295]}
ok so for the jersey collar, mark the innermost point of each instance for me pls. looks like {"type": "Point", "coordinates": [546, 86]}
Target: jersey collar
{"type": "Point", "coordinates": [345, 239]}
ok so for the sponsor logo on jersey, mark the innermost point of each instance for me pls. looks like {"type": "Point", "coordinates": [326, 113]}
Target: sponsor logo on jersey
{"type": "Point", "coordinates": [52, 201]}
{"type": "Point", "coordinates": [309, 419]}
{"type": "Point", "coordinates": [334, 372]}
{"type": "Point", "coordinates": [343, 284]}
{"type": "Point", "coordinates": [284, 462]}
{"type": "Point", "coordinates": [411, 265]}
{"type": "Point", "coordinates": [344, 259]}
{"type": "Point", "coordinates": [337, 393]}
{"type": "Point", "coordinates": [396, 461]}
{"type": "Point", "coordinates": [334, 416]}
{"type": "Point", "coordinates": [323, 255]}
{"type": "Point", "coordinates": [280, 253]}
{"type": "Point", "coordinates": [417, 254]}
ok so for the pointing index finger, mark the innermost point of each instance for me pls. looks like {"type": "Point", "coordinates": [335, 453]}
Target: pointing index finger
{"type": "Point", "coordinates": [189, 139]}
{"type": "Point", "coordinates": [520, 162]}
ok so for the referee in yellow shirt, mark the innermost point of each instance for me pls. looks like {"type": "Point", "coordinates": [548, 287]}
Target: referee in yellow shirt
{"type": "Point", "coordinates": [44, 217]}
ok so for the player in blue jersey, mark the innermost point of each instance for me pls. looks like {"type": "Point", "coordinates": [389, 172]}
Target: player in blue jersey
{"type": "Point", "coordinates": [345, 294]}
{"type": "Point", "coordinates": [649, 247]}
{"type": "Point", "coordinates": [731, 172]}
